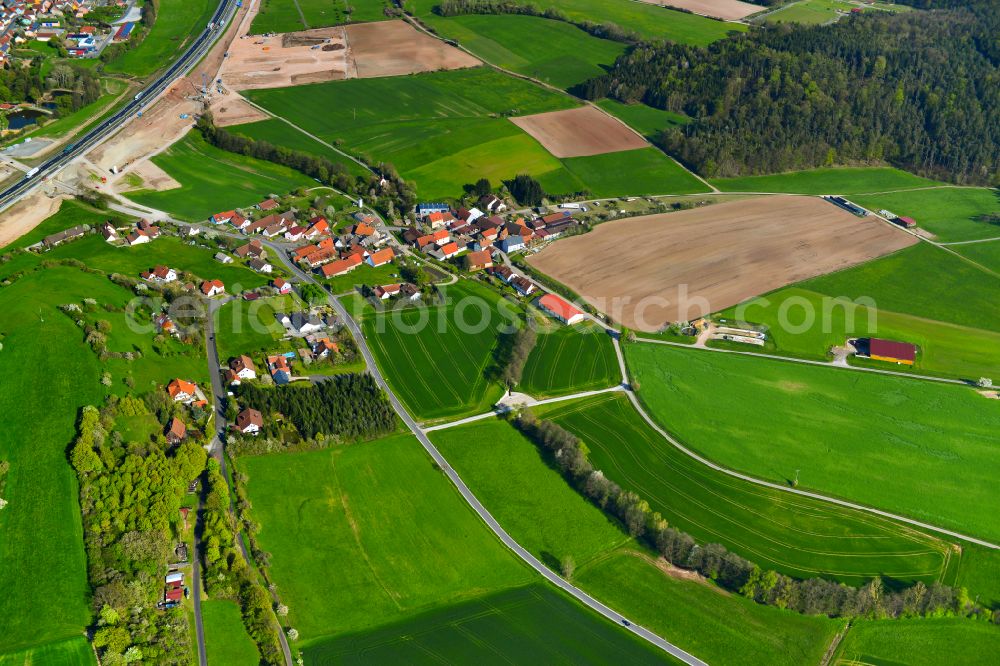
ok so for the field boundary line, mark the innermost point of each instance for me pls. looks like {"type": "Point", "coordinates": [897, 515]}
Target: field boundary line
{"type": "Point", "coordinates": [777, 486]}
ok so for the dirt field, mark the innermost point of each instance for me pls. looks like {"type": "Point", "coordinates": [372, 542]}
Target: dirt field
{"type": "Point", "coordinates": [153, 177]}
{"type": "Point", "coordinates": [395, 48]}
{"type": "Point", "coordinates": [648, 271]}
{"type": "Point", "coordinates": [285, 60]}
{"type": "Point", "coordinates": [26, 215]}
{"type": "Point", "coordinates": [727, 10]}
{"type": "Point", "coordinates": [579, 132]}
{"type": "Point", "coordinates": [232, 109]}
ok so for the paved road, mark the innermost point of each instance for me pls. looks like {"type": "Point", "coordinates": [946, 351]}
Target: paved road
{"type": "Point", "coordinates": [471, 499]}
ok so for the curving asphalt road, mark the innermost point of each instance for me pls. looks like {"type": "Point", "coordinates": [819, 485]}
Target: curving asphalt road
{"type": "Point", "coordinates": [471, 499]}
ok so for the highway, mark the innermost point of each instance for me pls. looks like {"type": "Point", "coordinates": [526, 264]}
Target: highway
{"type": "Point", "coordinates": [195, 52]}
{"type": "Point", "coordinates": [467, 494]}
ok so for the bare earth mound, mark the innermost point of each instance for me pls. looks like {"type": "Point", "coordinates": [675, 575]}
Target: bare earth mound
{"type": "Point", "coordinates": [153, 177]}
{"type": "Point", "coordinates": [232, 109]}
{"type": "Point", "coordinates": [395, 48]}
{"type": "Point", "coordinates": [649, 271]}
{"type": "Point", "coordinates": [727, 10]}
{"type": "Point", "coordinates": [579, 132]}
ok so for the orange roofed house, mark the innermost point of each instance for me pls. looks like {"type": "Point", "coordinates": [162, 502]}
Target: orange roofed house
{"type": "Point", "coordinates": [381, 258]}
{"type": "Point", "coordinates": [341, 266]}
{"type": "Point", "coordinates": [560, 309]}
{"type": "Point", "coordinates": [181, 390]}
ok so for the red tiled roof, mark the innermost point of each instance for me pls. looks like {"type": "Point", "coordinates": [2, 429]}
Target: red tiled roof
{"type": "Point", "coordinates": [382, 256]}
{"type": "Point", "coordinates": [903, 351]}
{"type": "Point", "coordinates": [558, 306]}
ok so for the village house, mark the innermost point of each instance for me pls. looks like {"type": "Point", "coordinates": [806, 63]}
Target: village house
{"type": "Point", "coordinates": [223, 258]}
{"type": "Point", "coordinates": [267, 204]}
{"type": "Point", "coordinates": [239, 222]}
{"type": "Point", "coordinates": [446, 251]}
{"type": "Point", "coordinates": [260, 265]}
{"type": "Point", "coordinates": [282, 286]}
{"type": "Point", "coordinates": [249, 421]}
{"type": "Point", "coordinates": [252, 249]}
{"type": "Point", "coordinates": [477, 261]}
{"type": "Point", "coordinates": [560, 309]}
{"type": "Point", "coordinates": [159, 274]}
{"type": "Point", "coordinates": [381, 257]}
{"type": "Point", "coordinates": [522, 285]}
{"type": "Point", "coordinates": [241, 368]}
{"type": "Point", "coordinates": [323, 347]}
{"type": "Point", "coordinates": [137, 238]}
{"type": "Point", "coordinates": [295, 233]}
{"type": "Point", "coordinates": [164, 324]}
{"type": "Point", "coordinates": [212, 288]}
{"type": "Point", "coordinates": [223, 217]}
{"type": "Point", "coordinates": [440, 219]}
{"type": "Point", "coordinates": [386, 291]}
{"type": "Point", "coordinates": [437, 238]}
{"type": "Point", "coordinates": [181, 390]}
{"type": "Point", "coordinates": [109, 233]}
{"type": "Point", "coordinates": [189, 231]}
{"type": "Point", "coordinates": [492, 203]}
{"type": "Point", "coordinates": [425, 209]}
{"type": "Point", "coordinates": [341, 266]}
{"type": "Point", "coordinates": [503, 272]}
{"type": "Point", "coordinates": [176, 431]}
{"type": "Point", "coordinates": [318, 226]}
{"type": "Point", "coordinates": [511, 244]}
{"type": "Point", "coordinates": [277, 365]}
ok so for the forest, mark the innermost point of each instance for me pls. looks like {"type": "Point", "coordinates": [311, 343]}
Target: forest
{"type": "Point", "coordinates": [350, 407]}
{"type": "Point", "coordinates": [920, 90]}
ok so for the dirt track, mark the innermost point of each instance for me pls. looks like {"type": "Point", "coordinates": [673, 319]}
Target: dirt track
{"type": "Point", "coordinates": [579, 132]}
{"type": "Point", "coordinates": [727, 10]}
{"type": "Point", "coordinates": [649, 271]}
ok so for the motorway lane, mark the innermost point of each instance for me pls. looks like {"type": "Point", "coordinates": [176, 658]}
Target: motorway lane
{"type": "Point", "coordinates": [467, 494]}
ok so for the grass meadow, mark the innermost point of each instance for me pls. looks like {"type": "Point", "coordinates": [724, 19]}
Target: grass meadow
{"type": "Point", "coordinates": [945, 348]}
{"type": "Point", "coordinates": [923, 281]}
{"type": "Point", "coordinates": [553, 521]}
{"type": "Point", "coordinates": [294, 15]}
{"type": "Point", "coordinates": [70, 214]}
{"type": "Point", "coordinates": [947, 212]}
{"type": "Point", "coordinates": [532, 624]}
{"type": "Point", "coordinates": [243, 327]}
{"type": "Point", "coordinates": [278, 132]}
{"type": "Point", "coordinates": [555, 52]}
{"type": "Point", "coordinates": [437, 369]}
{"type": "Point", "coordinates": [985, 254]}
{"type": "Point", "coordinates": [74, 651]}
{"type": "Point", "coordinates": [50, 373]}
{"type": "Point", "coordinates": [837, 180]}
{"type": "Point", "coordinates": [226, 639]}
{"type": "Point", "coordinates": [646, 120]}
{"type": "Point", "coordinates": [815, 12]}
{"type": "Point", "coordinates": [919, 642]}
{"type": "Point", "coordinates": [212, 179]}
{"type": "Point", "coordinates": [980, 573]}
{"type": "Point", "coordinates": [177, 23]}
{"type": "Point", "coordinates": [369, 533]}
{"type": "Point", "coordinates": [796, 536]}
{"type": "Point", "coordinates": [914, 447]}
{"type": "Point", "coordinates": [570, 359]}
{"type": "Point", "coordinates": [443, 130]}
{"type": "Point", "coordinates": [649, 21]}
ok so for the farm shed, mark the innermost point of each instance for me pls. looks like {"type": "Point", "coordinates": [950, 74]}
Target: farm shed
{"type": "Point", "coordinates": [560, 309]}
{"type": "Point", "coordinates": [892, 351]}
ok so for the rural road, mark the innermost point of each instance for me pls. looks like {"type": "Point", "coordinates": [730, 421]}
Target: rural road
{"type": "Point", "coordinates": [467, 494]}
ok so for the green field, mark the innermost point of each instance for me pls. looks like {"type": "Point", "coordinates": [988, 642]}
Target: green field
{"type": "Point", "coordinates": [555, 52]}
{"type": "Point", "coordinates": [243, 327]}
{"type": "Point", "coordinates": [364, 534]}
{"type": "Point", "coordinates": [980, 572]}
{"type": "Point", "coordinates": [293, 15]}
{"type": "Point", "coordinates": [443, 130]}
{"type": "Point", "coordinates": [277, 131]}
{"type": "Point", "coordinates": [50, 373]}
{"type": "Point", "coordinates": [533, 624]}
{"type": "Point", "coordinates": [796, 536]}
{"type": "Point", "coordinates": [844, 180]}
{"type": "Point", "coordinates": [814, 12]}
{"type": "Point", "coordinates": [914, 447]}
{"type": "Point", "coordinates": [363, 274]}
{"type": "Point", "coordinates": [226, 639]}
{"type": "Point", "coordinates": [649, 21]}
{"type": "Point", "coordinates": [945, 348]}
{"type": "Point", "coordinates": [919, 642]}
{"type": "Point", "coordinates": [947, 212]}
{"type": "Point", "coordinates": [985, 254]}
{"type": "Point", "coordinates": [545, 515]}
{"type": "Point", "coordinates": [568, 360]}
{"type": "Point", "coordinates": [170, 250]}
{"type": "Point", "coordinates": [646, 120]}
{"type": "Point", "coordinates": [70, 214]}
{"type": "Point", "coordinates": [71, 652]}
{"type": "Point", "coordinates": [178, 23]}
{"type": "Point", "coordinates": [213, 180]}
{"type": "Point", "coordinates": [438, 358]}
{"type": "Point", "coordinates": [923, 281]}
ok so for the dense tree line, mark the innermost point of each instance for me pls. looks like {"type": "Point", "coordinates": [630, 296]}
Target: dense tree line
{"type": "Point", "coordinates": [604, 30]}
{"type": "Point", "coordinates": [526, 190]}
{"type": "Point", "coordinates": [388, 192]}
{"type": "Point", "coordinates": [350, 406]}
{"type": "Point", "coordinates": [729, 570]}
{"type": "Point", "coordinates": [920, 90]}
{"type": "Point", "coordinates": [130, 496]}
{"type": "Point", "coordinates": [228, 576]}
{"type": "Point", "coordinates": [523, 342]}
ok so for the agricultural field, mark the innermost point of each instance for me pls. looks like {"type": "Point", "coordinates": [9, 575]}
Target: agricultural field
{"type": "Point", "coordinates": [226, 639]}
{"type": "Point", "coordinates": [243, 327]}
{"type": "Point", "coordinates": [985, 254]}
{"type": "Point", "coordinates": [294, 15]}
{"type": "Point", "coordinates": [177, 23]}
{"type": "Point", "coordinates": [74, 651]}
{"type": "Point", "coordinates": [170, 250]}
{"type": "Point", "coordinates": [439, 359]}
{"type": "Point", "coordinates": [533, 624]}
{"type": "Point", "coordinates": [570, 359]}
{"type": "Point", "coordinates": [42, 561]}
{"type": "Point", "coordinates": [838, 180]}
{"type": "Point", "coordinates": [649, 21]}
{"type": "Point", "coordinates": [646, 120]}
{"type": "Point", "coordinates": [919, 642]}
{"type": "Point", "coordinates": [555, 52]}
{"type": "Point", "coordinates": [370, 533]}
{"type": "Point", "coordinates": [543, 513]}
{"type": "Point", "coordinates": [918, 448]}
{"type": "Point", "coordinates": [947, 212]}
{"type": "Point", "coordinates": [795, 536]}
{"type": "Point", "coordinates": [205, 172]}
{"type": "Point", "coordinates": [816, 322]}
{"type": "Point", "coordinates": [278, 132]}
{"type": "Point", "coordinates": [923, 281]}
{"type": "Point", "coordinates": [443, 130]}
{"type": "Point", "coordinates": [814, 12]}
{"type": "Point", "coordinates": [980, 571]}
